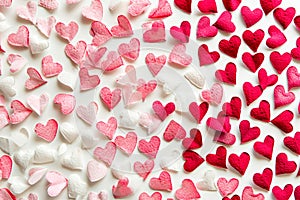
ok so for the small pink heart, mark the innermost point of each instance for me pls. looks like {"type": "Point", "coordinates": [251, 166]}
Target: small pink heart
{"type": "Point", "coordinates": [5, 3]}
{"type": "Point", "coordinates": [49, 4]}
{"type": "Point", "coordinates": [130, 96]}
{"type": "Point", "coordinates": [35, 79]}
{"type": "Point", "coordinates": [154, 196]}
{"type": "Point", "coordinates": [17, 62]}
{"type": "Point", "coordinates": [163, 10]}
{"type": "Point", "coordinates": [154, 31]}
{"type": "Point", "coordinates": [227, 187]}
{"type": "Point", "coordinates": [213, 95]}
{"type": "Point", "coordinates": [76, 53]}
{"type": "Point", "coordinates": [137, 7]}
{"type": "Point", "coordinates": [107, 154]}
{"type": "Point", "coordinates": [187, 191]}
{"type": "Point", "coordinates": [143, 169]}
{"type": "Point", "coordinates": [130, 51]}
{"type": "Point", "coordinates": [20, 112]}
{"type": "Point", "coordinates": [5, 166]}
{"type": "Point", "coordinates": [88, 114]}
{"type": "Point", "coordinates": [122, 190]}
{"type": "Point", "coordinates": [50, 68]}
{"type": "Point", "coordinates": [100, 33]}
{"type": "Point", "coordinates": [94, 11]}
{"type": "Point", "coordinates": [174, 131]}
{"type": "Point", "coordinates": [112, 62]}
{"type": "Point", "coordinates": [248, 194]}
{"type": "Point", "coordinates": [38, 103]}
{"type": "Point", "coordinates": [108, 129]}
{"type": "Point", "coordinates": [47, 132]}
{"type": "Point", "coordinates": [4, 117]}
{"type": "Point", "coordinates": [179, 57]}
{"type": "Point", "coordinates": [87, 81]}
{"type": "Point", "coordinates": [67, 32]}
{"type": "Point", "coordinates": [19, 39]}
{"type": "Point", "coordinates": [127, 143]}
{"type": "Point", "coordinates": [67, 103]}
{"type": "Point", "coordinates": [56, 183]}
{"type": "Point", "coordinates": [46, 25]}
{"type": "Point", "coordinates": [163, 111]}
{"type": "Point", "coordinates": [110, 98]}
{"type": "Point", "coordinates": [155, 64]}
{"type": "Point", "coordinates": [28, 12]}
{"type": "Point", "coordinates": [123, 29]}
{"type": "Point", "coordinates": [150, 149]}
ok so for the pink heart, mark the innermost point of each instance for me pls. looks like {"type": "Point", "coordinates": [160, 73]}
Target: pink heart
{"type": "Point", "coordinates": [204, 29]}
{"type": "Point", "coordinates": [100, 33]}
{"type": "Point", "coordinates": [155, 64]}
{"type": "Point", "coordinates": [281, 97]}
{"type": "Point", "coordinates": [88, 114]}
{"type": "Point", "coordinates": [20, 112]}
{"type": "Point", "coordinates": [137, 7]}
{"type": "Point", "coordinates": [5, 166]}
{"type": "Point", "coordinates": [251, 17]}
{"type": "Point", "coordinates": [130, 96]}
{"type": "Point", "coordinates": [112, 62]}
{"type": "Point", "coordinates": [67, 32]}
{"type": "Point", "coordinates": [163, 182]}
{"type": "Point", "coordinates": [56, 183]}
{"type": "Point", "coordinates": [163, 10]}
{"type": "Point", "coordinates": [187, 191]}
{"type": "Point", "coordinates": [5, 3]}
{"type": "Point", "coordinates": [48, 131]}
{"type": "Point", "coordinates": [92, 59]}
{"type": "Point", "coordinates": [143, 169]}
{"type": "Point", "coordinates": [181, 33]}
{"type": "Point", "coordinates": [19, 39]}
{"type": "Point", "coordinates": [179, 57]}
{"type": "Point", "coordinates": [46, 25]}
{"type": "Point", "coordinates": [248, 194]}
{"type": "Point", "coordinates": [293, 77]}
{"type": "Point", "coordinates": [49, 68]}
{"type": "Point", "coordinates": [35, 79]}
{"type": "Point", "coordinates": [17, 62]}
{"type": "Point", "coordinates": [94, 11]}
{"type": "Point", "coordinates": [227, 187]}
{"type": "Point", "coordinates": [130, 51]}
{"type": "Point", "coordinates": [146, 88]}
{"type": "Point", "coordinates": [154, 31]}
{"type": "Point", "coordinates": [49, 4]}
{"type": "Point", "coordinates": [127, 143]}
{"type": "Point", "coordinates": [150, 148]}
{"type": "Point", "coordinates": [38, 103]}
{"type": "Point", "coordinates": [107, 154]}
{"type": "Point", "coordinates": [121, 190]}
{"type": "Point", "coordinates": [108, 129]}
{"type": "Point", "coordinates": [28, 12]}
{"type": "Point", "coordinates": [76, 53]}
{"type": "Point", "coordinates": [123, 29]}
{"type": "Point", "coordinates": [277, 37]}
{"type": "Point", "coordinates": [110, 98]}
{"type": "Point", "coordinates": [4, 117]}
{"type": "Point", "coordinates": [67, 103]}
{"type": "Point", "coordinates": [154, 196]}
{"type": "Point", "coordinates": [214, 95]}
{"type": "Point", "coordinates": [87, 81]}
{"type": "Point", "coordinates": [163, 111]}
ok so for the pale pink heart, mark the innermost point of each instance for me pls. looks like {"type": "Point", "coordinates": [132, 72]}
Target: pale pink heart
{"type": "Point", "coordinates": [110, 98]}
{"type": "Point", "coordinates": [93, 55]}
{"type": "Point", "coordinates": [76, 53]}
{"type": "Point", "coordinates": [57, 183]}
{"type": "Point", "coordinates": [17, 62]}
{"type": "Point", "coordinates": [35, 79]}
{"type": "Point", "coordinates": [87, 81]}
{"type": "Point", "coordinates": [4, 117]}
{"type": "Point", "coordinates": [108, 129]}
{"type": "Point", "coordinates": [47, 132]}
{"type": "Point", "coordinates": [107, 154]}
{"type": "Point", "coordinates": [249, 195]}
{"type": "Point", "coordinates": [227, 187]}
{"type": "Point", "coordinates": [137, 7]}
{"type": "Point", "coordinates": [163, 10]}
{"type": "Point", "coordinates": [149, 121]}
{"type": "Point", "coordinates": [19, 39]}
{"type": "Point", "coordinates": [123, 29]}
{"type": "Point", "coordinates": [96, 171]}
{"type": "Point", "coordinates": [100, 33]}
{"type": "Point", "coordinates": [38, 103]}
{"type": "Point", "coordinates": [67, 103]}
{"type": "Point", "coordinates": [49, 4]}
{"type": "Point", "coordinates": [112, 62]}
{"type": "Point", "coordinates": [94, 11]}
{"type": "Point", "coordinates": [5, 3]}
{"type": "Point", "coordinates": [127, 143]}
{"type": "Point", "coordinates": [187, 191]}
{"type": "Point", "coordinates": [35, 175]}
{"type": "Point", "coordinates": [20, 112]}
{"type": "Point", "coordinates": [179, 57]}
{"type": "Point", "coordinates": [143, 169]}
{"type": "Point", "coordinates": [31, 196]}
{"type": "Point", "coordinates": [130, 96]}
{"type": "Point", "coordinates": [46, 25]}
{"type": "Point", "coordinates": [87, 114]}
{"type": "Point", "coordinates": [213, 95]}
{"type": "Point", "coordinates": [130, 51]}
{"type": "Point", "coordinates": [155, 64]}
{"type": "Point", "coordinates": [50, 68]}
{"type": "Point", "coordinates": [154, 31]}
{"type": "Point", "coordinates": [67, 32]}
{"type": "Point", "coordinates": [72, 1]}
{"type": "Point", "coordinates": [129, 78]}
{"type": "Point", "coordinates": [28, 12]}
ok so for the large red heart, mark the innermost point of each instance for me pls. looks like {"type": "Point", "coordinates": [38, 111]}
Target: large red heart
{"type": "Point", "coordinates": [266, 80]}
{"type": "Point", "coordinates": [224, 22]}
{"type": "Point", "coordinates": [280, 61]}
{"type": "Point", "coordinates": [251, 17]}
{"type": "Point", "coordinates": [230, 47]}
{"type": "Point", "coordinates": [284, 17]}
{"type": "Point", "coordinates": [265, 148]}
{"type": "Point", "coordinates": [218, 159]}
{"type": "Point", "coordinates": [185, 5]}
{"type": "Point", "coordinates": [207, 6]}
{"type": "Point", "coordinates": [240, 163]}
{"type": "Point", "coordinates": [192, 160]}
{"type": "Point", "coordinates": [283, 165]}
{"type": "Point", "coordinates": [251, 93]}
{"type": "Point", "coordinates": [248, 133]}
{"type": "Point", "coordinates": [264, 179]}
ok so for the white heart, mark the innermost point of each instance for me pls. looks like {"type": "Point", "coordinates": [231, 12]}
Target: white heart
{"type": "Point", "coordinates": [17, 184]}
{"type": "Point", "coordinates": [38, 103]}
{"type": "Point", "coordinates": [128, 119]}
{"type": "Point", "coordinates": [87, 114]}
{"type": "Point", "coordinates": [88, 141]}
{"type": "Point", "coordinates": [20, 138]}
{"type": "Point", "coordinates": [7, 145]}
{"type": "Point", "coordinates": [62, 149]}
{"type": "Point", "coordinates": [114, 4]}
{"type": "Point", "coordinates": [17, 63]}
{"type": "Point", "coordinates": [195, 78]}
{"type": "Point", "coordinates": [72, 160]}
{"type": "Point", "coordinates": [6, 86]}
{"type": "Point", "coordinates": [96, 170]}
{"type": "Point", "coordinates": [149, 121]}
{"type": "Point", "coordinates": [43, 154]}
{"type": "Point", "coordinates": [76, 187]}
{"type": "Point", "coordinates": [67, 79]}
{"type": "Point", "coordinates": [207, 182]}
{"type": "Point", "coordinates": [35, 175]}
{"type": "Point", "coordinates": [23, 158]}
{"type": "Point", "coordinates": [37, 45]}
{"type": "Point", "coordinates": [68, 131]}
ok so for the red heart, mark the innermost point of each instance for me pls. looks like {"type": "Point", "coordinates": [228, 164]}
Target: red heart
{"type": "Point", "coordinates": [297, 22]}
{"type": "Point", "coordinates": [282, 98]}
{"type": "Point", "coordinates": [293, 77]}
{"type": "Point", "coordinates": [187, 191]}
{"type": "Point", "coordinates": [5, 166]}
{"type": "Point", "coordinates": [253, 62]}
{"type": "Point", "coordinates": [282, 121]}
{"type": "Point", "coordinates": [192, 160]}
{"type": "Point", "coordinates": [185, 5]}
{"type": "Point", "coordinates": [231, 5]}
{"type": "Point", "coordinates": [293, 143]}
{"type": "Point", "coordinates": [248, 133]}
{"type": "Point", "coordinates": [233, 109]}
{"type": "Point", "coordinates": [204, 29]}
{"type": "Point", "coordinates": [143, 169]}
{"type": "Point", "coordinates": [181, 33]}
{"type": "Point", "coordinates": [277, 38]}
{"type": "Point", "coordinates": [228, 75]}
{"type": "Point", "coordinates": [263, 180]}
{"type": "Point", "coordinates": [48, 131]}
{"type": "Point", "coordinates": [121, 190]}
{"type": "Point", "coordinates": [206, 57]}
{"type": "Point", "coordinates": [269, 5]}
{"type": "Point", "coordinates": [283, 165]}
{"type": "Point", "coordinates": [282, 194]}
{"type": "Point", "coordinates": [207, 6]}
{"type": "Point", "coordinates": [265, 148]}
{"type": "Point", "coordinates": [150, 148]}
{"type": "Point", "coordinates": [265, 80]}
{"type": "Point", "coordinates": [218, 159]}
{"type": "Point", "coordinates": [284, 17]}
{"type": "Point", "coordinates": [163, 111]}
{"type": "Point", "coordinates": [251, 17]}
{"type": "Point", "coordinates": [224, 22]}
{"type": "Point", "coordinates": [240, 163]}
{"type": "Point", "coordinates": [230, 47]}
{"type": "Point", "coordinates": [127, 143]}
{"type": "Point", "coordinates": [297, 192]}
{"type": "Point", "coordinates": [163, 182]}
{"type": "Point", "coordinates": [123, 29]}
{"type": "Point", "coordinates": [198, 112]}
{"type": "Point", "coordinates": [262, 113]}
{"type": "Point", "coordinates": [163, 10]}
{"type": "Point", "coordinates": [174, 130]}
{"type": "Point", "coordinates": [295, 52]}
{"type": "Point", "coordinates": [280, 62]}
{"type": "Point", "coordinates": [253, 40]}
{"type": "Point", "coordinates": [110, 98]}
{"type": "Point", "coordinates": [194, 142]}
{"type": "Point", "coordinates": [251, 93]}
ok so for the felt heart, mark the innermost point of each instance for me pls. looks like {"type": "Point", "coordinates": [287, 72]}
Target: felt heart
{"type": "Point", "coordinates": [154, 196]}
{"type": "Point", "coordinates": [57, 183]}
{"type": "Point", "coordinates": [293, 77]}
{"type": "Point", "coordinates": [110, 98]}
{"type": "Point", "coordinates": [218, 159]}
{"type": "Point", "coordinates": [213, 95]}
{"type": "Point", "coordinates": [192, 160]}
{"type": "Point", "coordinates": [253, 40]}
{"type": "Point", "coordinates": [112, 62]}
{"type": "Point", "coordinates": [155, 64]}
{"type": "Point", "coordinates": [87, 81]}
{"type": "Point", "coordinates": [154, 31]}
{"type": "Point", "coordinates": [220, 124]}
{"type": "Point", "coordinates": [282, 194]}
{"type": "Point", "coordinates": [240, 163]}
{"type": "Point", "coordinates": [195, 78]}
{"type": "Point", "coordinates": [248, 194]}
{"type": "Point", "coordinates": [146, 88]}
{"type": "Point", "coordinates": [265, 148]}
{"type": "Point", "coordinates": [69, 132]}
{"type": "Point", "coordinates": [277, 38]}
{"type": "Point", "coordinates": [5, 166]}
{"type": "Point", "coordinates": [185, 5]}
{"type": "Point", "coordinates": [230, 47]}
{"type": "Point", "coordinates": [67, 79]}
{"type": "Point", "coordinates": [297, 22]}
{"type": "Point", "coordinates": [37, 45]}
{"type": "Point", "coordinates": [280, 61]}
{"type": "Point", "coordinates": [282, 121]}
{"type": "Point", "coordinates": [228, 75]}
{"type": "Point", "coordinates": [297, 192]}
{"type": "Point", "coordinates": [20, 112]}
{"type": "Point", "coordinates": [108, 129]}
{"type": "Point", "coordinates": [284, 17]}
{"type": "Point", "coordinates": [265, 80]}
{"type": "Point", "coordinates": [224, 138]}
{"type": "Point", "coordinates": [19, 39]}
{"type": "Point", "coordinates": [283, 165]}
{"type": "Point", "coordinates": [67, 103]}
{"type": "Point", "coordinates": [49, 68]}
{"type": "Point", "coordinates": [127, 143]}
{"type": "Point", "coordinates": [187, 190]}
{"type": "Point", "coordinates": [251, 93]}
{"type": "Point", "coordinates": [48, 131]}
{"type": "Point", "coordinates": [137, 7]}
{"type": "Point", "coordinates": [163, 111]}
{"type": "Point", "coordinates": [38, 103]}
{"type": "Point", "coordinates": [143, 169]}
{"type": "Point", "coordinates": [162, 183]}
{"type": "Point", "coordinates": [4, 117]}
{"type": "Point", "coordinates": [100, 33]}
{"type": "Point", "coordinates": [207, 183]}
{"type": "Point", "coordinates": [93, 55]}
{"type": "Point", "coordinates": [107, 154]}
{"type": "Point", "coordinates": [122, 190]}
{"type": "Point", "coordinates": [253, 62]}
{"type": "Point", "coordinates": [262, 113]}
{"type": "Point", "coordinates": [264, 179]}
{"type": "Point", "coordinates": [181, 33]}
{"type": "Point", "coordinates": [88, 114]}
{"type": "Point", "coordinates": [251, 17]}
{"type": "Point", "coordinates": [207, 6]}
{"type": "Point", "coordinates": [178, 56]}
{"type": "Point", "coordinates": [96, 171]}
{"type": "Point", "coordinates": [123, 29]}
{"type": "Point", "coordinates": [48, 4]}
{"type": "Point", "coordinates": [224, 22]}
{"type": "Point", "coordinates": [269, 5]}
{"type": "Point", "coordinates": [231, 5]}
{"type": "Point", "coordinates": [293, 143]}
{"type": "Point", "coordinates": [94, 11]}
{"type": "Point", "coordinates": [17, 62]}
{"type": "Point", "coordinates": [227, 187]}
{"type": "Point", "coordinates": [45, 26]}
{"type": "Point", "coordinates": [233, 108]}
{"type": "Point", "coordinates": [67, 32]}
{"type": "Point", "coordinates": [28, 12]}
{"type": "Point", "coordinates": [163, 10]}
{"type": "Point", "coordinates": [174, 131]}
{"type": "Point", "coordinates": [150, 149]}
{"type": "Point", "coordinates": [35, 175]}
{"type": "Point", "coordinates": [248, 133]}
{"type": "Point", "coordinates": [204, 30]}
{"type": "Point", "coordinates": [194, 142]}
{"type": "Point", "coordinates": [206, 57]}
{"type": "Point", "coordinates": [130, 51]}
{"type": "Point", "coordinates": [282, 98]}
{"type": "Point", "coordinates": [76, 53]}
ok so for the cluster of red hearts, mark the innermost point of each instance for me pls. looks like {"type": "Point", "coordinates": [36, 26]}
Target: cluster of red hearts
{"type": "Point", "coordinates": [90, 57]}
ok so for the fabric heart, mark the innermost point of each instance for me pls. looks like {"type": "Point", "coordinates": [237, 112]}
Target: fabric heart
{"type": "Point", "coordinates": [137, 7]}
{"type": "Point", "coordinates": [94, 11]}
{"type": "Point", "coordinates": [248, 133]}
{"type": "Point", "coordinates": [123, 29]}
{"type": "Point", "coordinates": [96, 171]}
{"type": "Point", "coordinates": [35, 79]}
{"type": "Point", "coordinates": [277, 37]}
{"type": "Point", "coordinates": [163, 111]}
{"type": "Point", "coordinates": [69, 132]}
{"type": "Point", "coordinates": [265, 148]}
{"type": "Point", "coordinates": [4, 117]}
{"type": "Point", "coordinates": [220, 124]}
{"type": "Point", "coordinates": [154, 31]}
{"type": "Point", "coordinates": [181, 33]}
{"type": "Point", "coordinates": [280, 61]}
{"type": "Point", "coordinates": [265, 80]}
{"type": "Point", "coordinates": [194, 142]}
{"type": "Point", "coordinates": [269, 5]}
{"type": "Point", "coordinates": [227, 187]}
{"type": "Point", "coordinates": [49, 4]}
{"type": "Point", "coordinates": [154, 196]}
{"type": "Point", "coordinates": [17, 62]}
{"type": "Point", "coordinates": [128, 143]}
{"type": "Point", "coordinates": [185, 5]}
{"type": "Point", "coordinates": [224, 138]}
{"type": "Point", "coordinates": [179, 57]}
{"type": "Point", "coordinates": [233, 109]}
{"type": "Point", "coordinates": [214, 95]}
{"type": "Point", "coordinates": [45, 26]}
{"type": "Point", "coordinates": [146, 88]}
{"type": "Point", "coordinates": [240, 163]}
{"type": "Point", "coordinates": [293, 77]}
{"type": "Point", "coordinates": [110, 98]}
{"type": "Point", "coordinates": [207, 6]}
{"type": "Point", "coordinates": [19, 39]}
{"type": "Point", "coordinates": [231, 5]}
{"type": "Point", "coordinates": [67, 80]}
{"type": "Point", "coordinates": [67, 32]}
{"type": "Point", "coordinates": [251, 17]}
{"type": "Point", "coordinates": [38, 103]}
{"type": "Point", "coordinates": [224, 22]}
{"type": "Point", "coordinates": [49, 68]}
{"type": "Point", "coordinates": [218, 159]}
{"type": "Point", "coordinates": [297, 22]}
{"type": "Point", "coordinates": [28, 12]}
{"type": "Point", "coordinates": [284, 17]}
{"type": "Point", "coordinates": [108, 129]}
{"type": "Point", "coordinates": [107, 154]}
{"type": "Point", "coordinates": [57, 183]}
{"type": "Point", "coordinates": [88, 114]}
{"type": "Point", "coordinates": [155, 64]}
{"type": "Point", "coordinates": [100, 33]}
{"type": "Point", "coordinates": [195, 78]}
{"type": "Point", "coordinates": [282, 194]}
{"type": "Point", "coordinates": [130, 96]}
{"type": "Point", "coordinates": [5, 166]}
{"type": "Point", "coordinates": [251, 93]}
{"type": "Point", "coordinates": [20, 112]}
{"type": "Point", "coordinates": [293, 143]}
{"type": "Point", "coordinates": [230, 47]}
{"type": "Point", "coordinates": [112, 62]}
{"type": "Point", "coordinates": [282, 121]}
{"type": "Point", "coordinates": [87, 81]}
{"type": "Point", "coordinates": [48, 131]}
{"type": "Point", "coordinates": [143, 169]}
{"type": "Point", "coordinates": [192, 160]}
{"type": "Point", "coordinates": [76, 53]}
{"type": "Point", "coordinates": [207, 183]}
{"type": "Point", "coordinates": [174, 131]}
{"type": "Point", "coordinates": [253, 40]}
{"type": "Point", "coordinates": [264, 179]}
{"type": "Point", "coordinates": [282, 98]}
{"type": "Point", "coordinates": [122, 190]}
{"type": "Point", "coordinates": [187, 190]}
{"type": "Point", "coordinates": [228, 75]}
{"type": "Point", "coordinates": [163, 182]}
{"type": "Point", "coordinates": [93, 55]}
{"type": "Point", "coordinates": [37, 45]}
{"type": "Point", "coordinates": [150, 149]}
{"type": "Point", "coordinates": [206, 57]}
{"type": "Point", "coordinates": [253, 62]}
{"type": "Point", "coordinates": [130, 51]}
{"type": "Point", "coordinates": [283, 165]}
{"type": "Point", "coordinates": [204, 30]}
{"type": "Point", "coordinates": [67, 103]}
{"type": "Point", "coordinates": [262, 113]}
{"type": "Point", "coordinates": [35, 175]}
{"type": "Point", "coordinates": [248, 194]}
{"type": "Point", "coordinates": [163, 10]}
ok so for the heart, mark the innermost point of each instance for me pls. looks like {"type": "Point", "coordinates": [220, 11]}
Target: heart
{"type": "Point", "coordinates": [67, 32]}
{"type": "Point", "coordinates": [265, 148]}
{"type": "Point", "coordinates": [262, 113]}
{"type": "Point", "coordinates": [150, 149]}
{"type": "Point", "coordinates": [23, 158]}
{"type": "Point", "coordinates": [230, 47]}
{"type": "Point", "coordinates": [283, 165]}
{"type": "Point", "coordinates": [227, 187]}
{"type": "Point", "coordinates": [128, 143]}
{"type": "Point", "coordinates": [154, 196]}
{"type": "Point", "coordinates": [35, 79]}
{"type": "Point", "coordinates": [233, 108]}
{"type": "Point", "coordinates": [293, 143]}
{"type": "Point", "coordinates": [206, 57]}
{"type": "Point", "coordinates": [174, 131]}
{"type": "Point", "coordinates": [57, 183]}
{"type": "Point", "coordinates": [187, 190]}
{"type": "Point", "coordinates": [224, 22]}
{"type": "Point", "coordinates": [96, 171]}
{"type": "Point", "coordinates": [293, 77]}
{"type": "Point", "coordinates": [282, 121]}
{"type": "Point", "coordinates": [194, 142]}
{"type": "Point", "coordinates": [228, 75]}
{"type": "Point", "coordinates": [19, 39]}
{"type": "Point", "coordinates": [108, 129]}
{"type": "Point", "coordinates": [277, 38]}
{"type": "Point", "coordinates": [282, 98]}
{"type": "Point", "coordinates": [110, 98]}
{"type": "Point", "coordinates": [129, 119]}
{"type": "Point", "coordinates": [192, 160]}
{"type": "Point", "coordinates": [240, 163]}
{"type": "Point", "coordinates": [282, 194]}
{"type": "Point", "coordinates": [269, 5]}
{"type": "Point", "coordinates": [225, 138]}
{"type": "Point", "coordinates": [107, 154]}
{"type": "Point", "coordinates": [185, 5]}
{"type": "Point", "coordinates": [154, 31]}
{"type": "Point", "coordinates": [251, 17]}
{"type": "Point", "coordinates": [103, 195]}
{"type": "Point", "coordinates": [38, 45]}
{"type": "Point", "coordinates": [204, 30]}
{"type": "Point", "coordinates": [48, 131]}
{"type": "Point", "coordinates": [248, 194]}
{"type": "Point", "coordinates": [163, 111]}
{"type": "Point", "coordinates": [35, 175]}
{"type": "Point", "coordinates": [253, 62]}
{"type": "Point", "coordinates": [5, 3]}
{"type": "Point", "coordinates": [146, 88]}
{"type": "Point", "coordinates": [28, 12]}
{"type": "Point", "coordinates": [265, 80]}
{"type": "Point", "coordinates": [87, 81]}
{"type": "Point", "coordinates": [94, 11]}
{"type": "Point", "coordinates": [93, 55]}
{"type": "Point", "coordinates": [234, 197]}
{"type": "Point", "coordinates": [264, 179]}
{"type": "Point", "coordinates": [195, 78]}
{"type": "Point", "coordinates": [100, 33]}
{"type": "Point", "coordinates": [284, 17]}
{"type": "Point", "coordinates": [88, 114]}
{"type": "Point", "coordinates": [67, 103]}
{"type": "Point", "coordinates": [143, 169]}
{"type": "Point", "coordinates": [251, 93]}
{"type": "Point", "coordinates": [38, 103]}
{"type": "Point", "coordinates": [67, 79]}
{"type": "Point", "coordinates": [231, 5]}
{"type": "Point", "coordinates": [297, 22]}
{"type": "Point", "coordinates": [4, 117]}
{"type": "Point", "coordinates": [112, 62]}
{"type": "Point", "coordinates": [76, 53]}
{"type": "Point", "coordinates": [123, 29]}
{"type": "Point", "coordinates": [253, 40]}
{"type": "Point", "coordinates": [248, 133]}
{"type": "Point", "coordinates": [198, 111]}
{"type": "Point", "coordinates": [49, 68]}
{"type": "Point", "coordinates": [20, 112]}
{"type": "Point", "coordinates": [221, 124]}
{"type": "Point", "coordinates": [122, 190]}
{"type": "Point", "coordinates": [45, 26]}
{"type": "Point", "coordinates": [207, 6]}
{"type": "Point", "coordinates": [163, 10]}
{"type": "Point", "coordinates": [5, 166]}
{"type": "Point", "coordinates": [162, 183]}
{"type": "Point", "coordinates": [49, 4]}
{"type": "Point", "coordinates": [207, 183]}
{"type": "Point", "coordinates": [155, 64]}
{"type": "Point", "coordinates": [17, 62]}
{"type": "Point", "coordinates": [179, 57]}
{"type": "Point", "coordinates": [218, 159]}
{"type": "Point", "coordinates": [69, 132]}
{"type": "Point", "coordinates": [280, 61]}
{"type": "Point", "coordinates": [130, 96]}
{"type": "Point", "coordinates": [130, 51]}
{"type": "Point", "coordinates": [137, 7]}
{"type": "Point", "coordinates": [213, 95]}
{"type": "Point", "coordinates": [181, 33]}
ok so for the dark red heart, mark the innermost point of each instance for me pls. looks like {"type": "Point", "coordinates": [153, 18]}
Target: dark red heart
{"type": "Point", "coordinates": [228, 75]}
{"type": "Point", "coordinates": [218, 159]}
{"type": "Point", "coordinates": [230, 47]}
{"type": "Point", "coordinates": [251, 93]}
{"type": "Point", "coordinates": [233, 109]}
{"type": "Point", "coordinates": [234, 197]}
{"type": "Point", "coordinates": [265, 148]}
{"type": "Point", "coordinates": [192, 160]}
{"type": "Point", "coordinates": [253, 40]}
{"type": "Point", "coordinates": [185, 5]}
{"type": "Point", "coordinates": [283, 165]}
{"type": "Point", "coordinates": [265, 80]}
{"type": "Point", "coordinates": [282, 121]}
{"type": "Point", "coordinates": [262, 113]}
{"type": "Point", "coordinates": [195, 141]}
{"type": "Point", "coordinates": [240, 163]}
{"type": "Point", "coordinates": [284, 17]}
{"type": "Point", "coordinates": [269, 5]}
{"type": "Point", "coordinates": [293, 143]}
{"type": "Point", "coordinates": [253, 62]}
{"type": "Point", "coordinates": [248, 133]}
{"type": "Point", "coordinates": [280, 62]}
{"type": "Point", "coordinates": [264, 180]}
